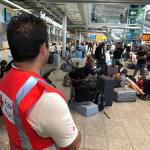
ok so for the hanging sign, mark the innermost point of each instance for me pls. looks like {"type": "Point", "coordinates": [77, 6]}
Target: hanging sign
{"type": "Point", "coordinates": [146, 37]}
{"type": "Point", "coordinates": [49, 20]}
{"type": "Point", "coordinates": [101, 37]}
{"type": "Point", "coordinates": [93, 37]}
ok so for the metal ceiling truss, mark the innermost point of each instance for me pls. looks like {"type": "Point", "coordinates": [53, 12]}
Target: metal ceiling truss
{"type": "Point", "coordinates": [138, 2]}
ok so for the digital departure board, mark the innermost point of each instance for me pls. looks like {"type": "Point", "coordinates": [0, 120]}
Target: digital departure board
{"type": "Point", "coordinates": [146, 37]}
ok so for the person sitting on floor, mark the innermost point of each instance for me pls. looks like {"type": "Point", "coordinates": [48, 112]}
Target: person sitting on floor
{"type": "Point", "coordinates": [123, 74]}
{"type": "Point", "coordinates": [90, 67]}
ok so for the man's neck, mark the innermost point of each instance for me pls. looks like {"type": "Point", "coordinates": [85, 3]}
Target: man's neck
{"type": "Point", "coordinates": [29, 66]}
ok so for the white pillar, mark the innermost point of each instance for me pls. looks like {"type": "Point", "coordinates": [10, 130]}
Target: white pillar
{"type": "Point", "coordinates": [64, 35]}
{"type": "Point", "coordinates": [76, 36]}
{"type": "Point", "coordinates": [80, 38]}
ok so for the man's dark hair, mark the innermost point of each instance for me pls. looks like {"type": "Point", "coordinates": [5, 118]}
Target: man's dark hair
{"type": "Point", "coordinates": [26, 33]}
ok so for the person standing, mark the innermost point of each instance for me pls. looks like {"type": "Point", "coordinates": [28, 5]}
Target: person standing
{"type": "Point", "coordinates": [79, 50]}
{"type": "Point", "coordinates": [100, 54]}
{"type": "Point", "coordinates": [141, 62]}
{"type": "Point", "coordinates": [117, 54]}
{"type": "Point", "coordinates": [127, 53]}
{"type": "Point", "coordinates": [35, 113]}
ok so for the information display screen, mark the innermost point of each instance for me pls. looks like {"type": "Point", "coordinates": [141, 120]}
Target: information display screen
{"type": "Point", "coordinates": [146, 37]}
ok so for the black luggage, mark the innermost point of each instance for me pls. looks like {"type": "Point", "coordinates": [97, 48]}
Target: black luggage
{"type": "Point", "coordinates": [77, 74]}
{"type": "Point", "coordinates": [103, 69]}
{"type": "Point", "coordinates": [82, 91]}
{"type": "Point", "coordinates": [85, 90]}
{"type": "Point", "coordinates": [146, 87]}
{"type": "Point", "coordinates": [106, 85]}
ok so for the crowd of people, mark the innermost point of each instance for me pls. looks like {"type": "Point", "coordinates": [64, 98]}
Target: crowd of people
{"type": "Point", "coordinates": [122, 58]}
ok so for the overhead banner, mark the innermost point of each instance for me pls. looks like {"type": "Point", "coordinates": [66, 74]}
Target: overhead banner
{"type": "Point", "coordinates": [146, 37]}
{"type": "Point", "coordinates": [101, 37]}
{"type": "Point", "coordinates": [93, 37]}
{"type": "Point", "coordinates": [49, 20]}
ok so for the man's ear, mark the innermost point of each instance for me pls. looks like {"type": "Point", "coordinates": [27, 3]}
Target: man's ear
{"type": "Point", "coordinates": [43, 50]}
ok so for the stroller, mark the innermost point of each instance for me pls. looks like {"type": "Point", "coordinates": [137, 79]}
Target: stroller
{"type": "Point", "coordinates": [45, 76]}
{"type": "Point", "coordinates": [68, 67]}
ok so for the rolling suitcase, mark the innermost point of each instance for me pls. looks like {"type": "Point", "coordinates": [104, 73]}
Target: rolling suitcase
{"type": "Point", "coordinates": [106, 85]}
{"type": "Point", "coordinates": [146, 87]}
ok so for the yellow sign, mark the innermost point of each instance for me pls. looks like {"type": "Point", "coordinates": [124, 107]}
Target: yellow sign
{"type": "Point", "coordinates": [101, 37]}
{"type": "Point", "coordinates": [146, 37]}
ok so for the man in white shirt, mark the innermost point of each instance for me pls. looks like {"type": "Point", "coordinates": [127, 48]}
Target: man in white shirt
{"type": "Point", "coordinates": [36, 114]}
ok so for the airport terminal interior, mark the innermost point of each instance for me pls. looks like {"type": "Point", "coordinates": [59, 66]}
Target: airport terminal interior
{"type": "Point", "coordinates": [99, 57]}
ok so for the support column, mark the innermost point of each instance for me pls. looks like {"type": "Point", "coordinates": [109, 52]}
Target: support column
{"type": "Point", "coordinates": [80, 38]}
{"type": "Point", "coordinates": [64, 35]}
{"type": "Point", "coordinates": [76, 35]}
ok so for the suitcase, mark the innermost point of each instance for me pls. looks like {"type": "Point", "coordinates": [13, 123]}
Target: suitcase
{"type": "Point", "coordinates": [106, 85]}
{"type": "Point", "coordinates": [146, 87]}
{"type": "Point", "coordinates": [124, 95]}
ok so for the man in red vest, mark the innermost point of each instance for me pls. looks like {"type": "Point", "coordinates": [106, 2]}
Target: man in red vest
{"type": "Point", "coordinates": [35, 113]}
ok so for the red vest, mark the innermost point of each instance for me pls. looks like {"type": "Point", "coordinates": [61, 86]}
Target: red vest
{"type": "Point", "coordinates": [19, 91]}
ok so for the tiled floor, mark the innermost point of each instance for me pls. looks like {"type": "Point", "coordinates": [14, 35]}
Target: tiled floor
{"type": "Point", "coordinates": [127, 129]}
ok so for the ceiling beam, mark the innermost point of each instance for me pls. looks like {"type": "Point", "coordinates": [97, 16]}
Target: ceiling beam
{"type": "Point", "coordinates": [104, 26]}
{"type": "Point", "coordinates": [139, 2]}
